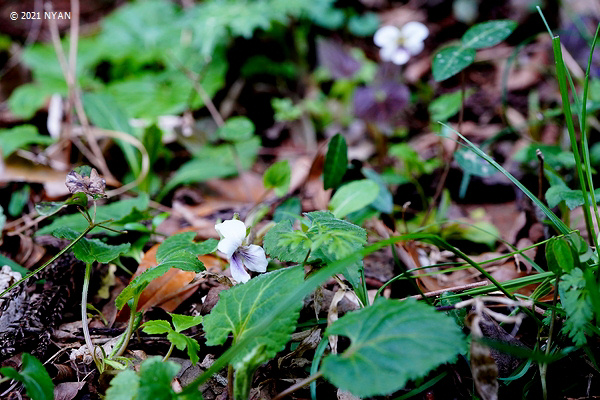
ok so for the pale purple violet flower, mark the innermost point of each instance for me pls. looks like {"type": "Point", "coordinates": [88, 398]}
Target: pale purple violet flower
{"type": "Point", "coordinates": [233, 245]}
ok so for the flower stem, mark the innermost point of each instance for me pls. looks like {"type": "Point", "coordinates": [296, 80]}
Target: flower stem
{"type": "Point", "coordinates": [129, 330]}
{"type": "Point", "coordinates": [84, 324]}
{"type": "Point", "coordinates": [544, 366]}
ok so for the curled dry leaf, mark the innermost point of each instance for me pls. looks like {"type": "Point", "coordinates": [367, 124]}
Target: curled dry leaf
{"type": "Point", "coordinates": [483, 366]}
{"type": "Point", "coordinates": [79, 181]}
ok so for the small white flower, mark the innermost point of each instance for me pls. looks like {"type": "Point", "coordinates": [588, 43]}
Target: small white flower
{"type": "Point", "coordinates": [232, 244]}
{"type": "Point", "coordinates": [398, 45]}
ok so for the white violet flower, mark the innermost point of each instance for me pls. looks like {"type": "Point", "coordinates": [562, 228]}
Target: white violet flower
{"type": "Point", "coordinates": [233, 245]}
{"type": "Point", "coordinates": [398, 45]}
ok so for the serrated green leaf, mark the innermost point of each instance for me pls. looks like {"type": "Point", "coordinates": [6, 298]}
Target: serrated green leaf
{"type": "Point", "coordinates": [392, 342]}
{"type": "Point", "coordinates": [156, 327]}
{"type": "Point", "coordinates": [336, 162]}
{"type": "Point", "coordinates": [155, 379]}
{"type": "Point", "coordinates": [90, 250]}
{"type": "Point", "coordinates": [472, 164]}
{"type": "Point", "coordinates": [185, 241]}
{"type": "Point", "coordinates": [290, 210]}
{"type": "Point", "coordinates": [236, 129]}
{"type": "Point", "coordinates": [183, 322]}
{"type": "Point", "coordinates": [181, 259]}
{"type": "Point", "coordinates": [450, 61]}
{"type": "Point", "coordinates": [577, 303]}
{"type": "Point", "coordinates": [116, 211]}
{"type": "Point", "coordinates": [285, 244]}
{"type": "Point", "coordinates": [20, 136]}
{"type": "Point", "coordinates": [353, 196]}
{"type": "Point", "coordinates": [487, 34]}
{"type": "Point", "coordinates": [124, 386]}
{"type": "Point", "coordinates": [182, 341]}
{"type": "Point", "coordinates": [34, 376]}
{"type": "Point", "coordinates": [277, 177]}
{"type": "Point", "coordinates": [241, 309]}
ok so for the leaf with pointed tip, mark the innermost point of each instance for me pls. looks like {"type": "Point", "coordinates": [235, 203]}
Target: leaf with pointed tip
{"type": "Point", "coordinates": [336, 162]}
{"type": "Point", "coordinates": [34, 376]}
{"type": "Point", "coordinates": [241, 309]}
{"type": "Point", "coordinates": [353, 196]}
{"type": "Point", "coordinates": [185, 241]}
{"type": "Point", "coordinates": [90, 250]}
{"type": "Point", "coordinates": [450, 61]}
{"type": "Point", "coordinates": [183, 322]}
{"type": "Point", "coordinates": [488, 34]}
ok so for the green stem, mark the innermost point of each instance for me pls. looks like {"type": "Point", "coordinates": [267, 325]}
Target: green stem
{"type": "Point", "coordinates": [60, 253]}
{"type": "Point", "coordinates": [84, 325]}
{"type": "Point", "coordinates": [129, 330]}
{"type": "Point", "coordinates": [166, 357]}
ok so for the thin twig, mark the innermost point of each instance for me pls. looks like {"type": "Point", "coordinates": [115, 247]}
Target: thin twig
{"type": "Point", "coordinates": [298, 385]}
{"type": "Point", "coordinates": [456, 289]}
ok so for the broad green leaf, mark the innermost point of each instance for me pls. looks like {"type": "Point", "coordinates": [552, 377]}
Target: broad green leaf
{"type": "Point", "coordinates": [392, 342]}
{"type": "Point", "coordinates": [156, 327]}
{"type": "Point", "coordinates": [19, 137]}
{"type": "Point", "coordinates": [277, 177]}
{"type": "Point", "coordinates": [116, 211]}
{"type": "Point", "coordinates": [183, 322]}
{"type": "Point", "coordinates": [34, 376]}
{"type": "Point", "coordinates": [214, 162]}
{"type": "Point", "coordinates": [290, 209]}
{"type": "Point", "coordinates": [447, 105]}
{"type": "Point", "coordinates": [353, 196]}
{"type": "Point", "coordinates": [286, 244]}
{"type": "Point", "coordinates": [185, 241]}
{"type": "Point", "coordinates": [572, 198]}
{"type": "Point", "coordinates": [18, 200]}
{"type": "Point", "coordinates": [77, 199]}
{"type": "Point", "coordinates": [182, 341]}
{"type": "Point", "coordinates": [155, 379]}
{"type": "Point", "coordinates": [124, 386]}
{"type": "Point", "coordinates": [241, 309]}
{"type": "Point", "coordinates": [26, 99]}
{"type": "Point", "coordinates": [576, 301]}
{"type": "Point", "coordinates": [181, 259]}
{"type": "Point", "coordinates": [244, 371]}
{"type": "Point", "coordinates": [487, 34]}
{"type": "Point", "coordinates": [384, 201]}
{"type": "Point", "coordinates": [90, 250]}
{"type": "Point", "coordinates": [104, 112]}
{"type": "Point", "coordinates": [52, 207]}
{"type": "Point", "coordinates": [450, 61]}
{"type": "Point", "coordinates": [473, 164]}
{"type": "Point", "coordinates": [336, 162]}
{"type": "Point", "coordinates": [327, 237]}
{"type": "Point", "coordinates": [236, 129]}
{"type": "Point", "coordinates": [560, 256]}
